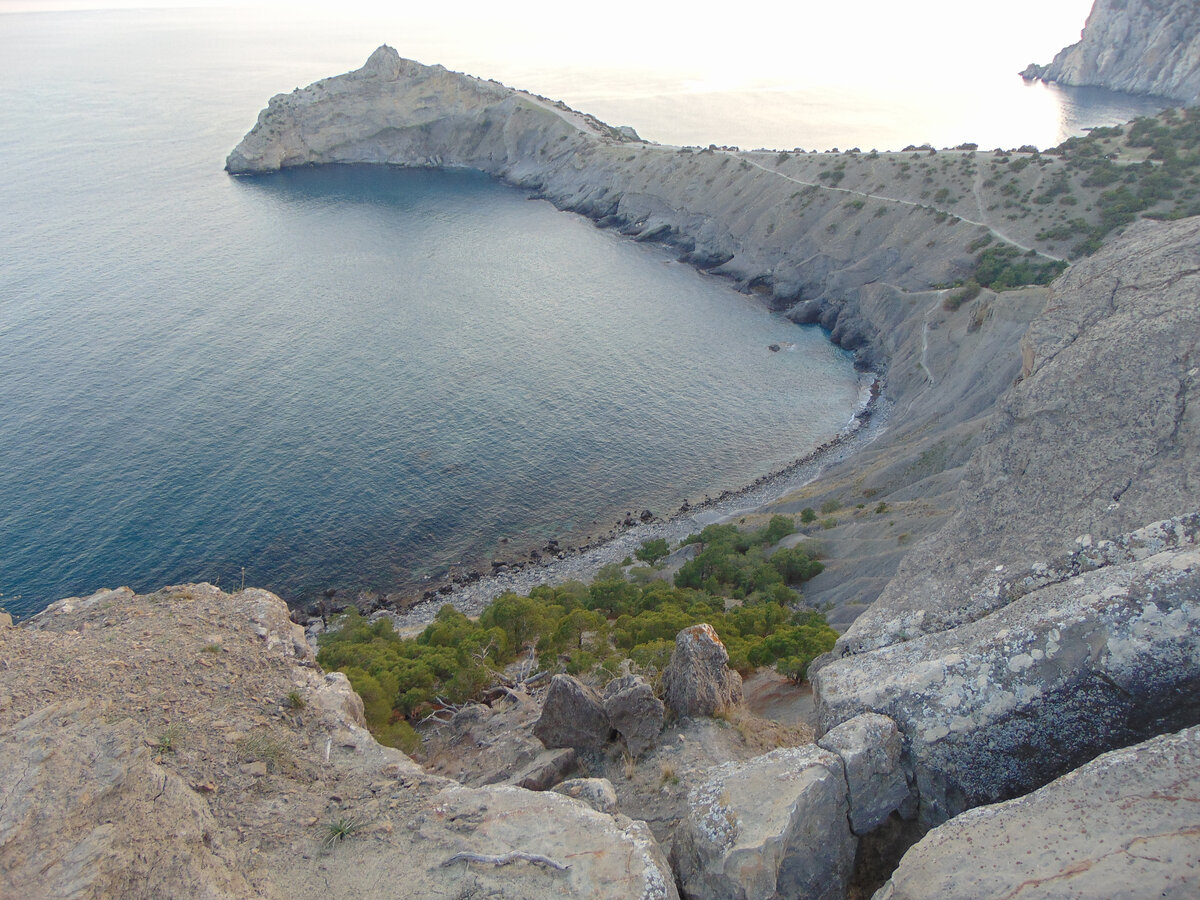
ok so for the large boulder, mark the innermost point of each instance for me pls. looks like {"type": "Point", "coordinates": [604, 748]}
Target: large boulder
{"type": "Point", "coordinates": [572, 716]}
{"type": "Point", "coordinates": [698, 680]}
{"type": "Point", "coordinates": [1124, 825]}
{"type": "Point", "coordinates": [998, 707]}
{"type": "Point", "coordinates": [869, 746]}
{"type": "Point", "coordinates": [634, 712]}
{"type": "Point", "coordinates": [773, 827]}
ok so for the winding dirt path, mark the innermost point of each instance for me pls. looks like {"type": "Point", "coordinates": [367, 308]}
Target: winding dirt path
{"type": "Point", "coordinates": [983, 224]}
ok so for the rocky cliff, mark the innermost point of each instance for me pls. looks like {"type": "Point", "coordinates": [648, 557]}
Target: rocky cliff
{"type": "Point", "coordinates": [1139, 46]}
{"type": "Point", "coordinates": [776, 224]}
{"type": "Point", "coordinates": [1056, 613]}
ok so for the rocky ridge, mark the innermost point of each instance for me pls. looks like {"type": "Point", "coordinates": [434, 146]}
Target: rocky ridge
{"type": "Point", "coordinates": [1147, 47]}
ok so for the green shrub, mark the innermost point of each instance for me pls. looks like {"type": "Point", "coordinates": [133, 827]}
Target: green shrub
{"type": "Point", "coordinates": [581, 628]}
{"type": "Point", "coordinates": [652, 551]}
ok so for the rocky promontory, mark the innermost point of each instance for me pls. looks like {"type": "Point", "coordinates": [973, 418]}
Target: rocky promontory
{"type": "Point", "coordinates": [1146, 47]}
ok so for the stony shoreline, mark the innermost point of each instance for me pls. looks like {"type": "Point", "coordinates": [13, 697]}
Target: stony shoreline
{"type": "Point", "coordinates": [869, 421]}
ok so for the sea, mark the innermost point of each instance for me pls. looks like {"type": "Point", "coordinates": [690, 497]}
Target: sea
{"type": "Point", "coordinates": [354, 378]}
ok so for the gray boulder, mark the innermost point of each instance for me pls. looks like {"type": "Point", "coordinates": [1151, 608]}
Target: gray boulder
{"type": "Point", "coordinates": [572, 716]}
{"type": "Point", "coordinates": [869, 746]}
{"type": "Point", "coordinates": [773, 827]}
{"type": "Point", "coordinates": [996, 708]}
{"type": "Point", "coordinates": [1123, 826]}
{"type": "Point", "coordinates": [634, 711]}
{"type": "Point", "coordinates": [598, 793]}
{"type": "Point", "coordinates": [546, 769]}
{"type": "Point", "coordinates": [698, 680]}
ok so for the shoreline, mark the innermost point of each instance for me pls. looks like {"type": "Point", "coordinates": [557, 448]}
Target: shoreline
{"type": "Point", "coordinates": [869, 421]}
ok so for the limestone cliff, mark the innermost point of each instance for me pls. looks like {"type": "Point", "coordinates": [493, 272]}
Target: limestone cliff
{"type": "Point", "coordinates": [1139, 46]}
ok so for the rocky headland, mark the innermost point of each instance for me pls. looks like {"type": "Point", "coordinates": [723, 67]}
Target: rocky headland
{"type": "Point", "coordinates": [1148, 47]}
{"type": "Point", "coordinates": [1010, 711]}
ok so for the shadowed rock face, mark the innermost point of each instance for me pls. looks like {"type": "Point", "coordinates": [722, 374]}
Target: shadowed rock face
{"type": "Point", "coordinates": [1125, 825]}
{"type": "Point", "coordinates": [1139, 46]}
{"type": "Point", "coordinates": [698, 680]}
{"type": "Point", "coordinates": [1099, 437]}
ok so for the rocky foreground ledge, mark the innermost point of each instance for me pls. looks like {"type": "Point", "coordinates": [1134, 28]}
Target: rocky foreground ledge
{"type": "Point", "coordinates": [185, 744]}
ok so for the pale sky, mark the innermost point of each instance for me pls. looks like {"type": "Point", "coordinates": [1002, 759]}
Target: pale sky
{"type": "Point", "coordinates": [730, 41]}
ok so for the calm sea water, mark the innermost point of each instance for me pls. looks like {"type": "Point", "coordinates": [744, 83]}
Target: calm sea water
{"type": "Point", "coordinates": [331, 378]}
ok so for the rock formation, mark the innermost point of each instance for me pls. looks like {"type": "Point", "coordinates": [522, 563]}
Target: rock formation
{"type": "Point", "coordinates": [698, 680]}
{"type": "Point", "coordinates": [634, 712]}
{"type": "Point", "coordinates": [572, 716]}
{"type": "Point", "coordinates": [1125, 825]}
{"type": "Point", "coordinates": [185, 744]}
{"type": "Point", "coordinates": [775, 826]}
{"type": "Point", "coordinates": [1052, 617]}
{"type": "Point", "coordinates": [1144, 47]}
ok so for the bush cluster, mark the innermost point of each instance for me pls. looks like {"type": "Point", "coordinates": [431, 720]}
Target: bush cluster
{"type": "Point", "coordinates": [582, 629]}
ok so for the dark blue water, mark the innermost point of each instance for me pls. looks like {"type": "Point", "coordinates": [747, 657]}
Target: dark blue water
{"type": "Point", "coordinates": [329, 378]}
{"type": "Point", "coordinates": [341, 377]}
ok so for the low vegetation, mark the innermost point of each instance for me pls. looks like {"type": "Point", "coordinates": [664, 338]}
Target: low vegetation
{"type": "Point", "coordinates": [734, 583]}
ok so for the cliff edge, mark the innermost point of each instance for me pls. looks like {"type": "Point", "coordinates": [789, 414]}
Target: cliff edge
{"type": "Point", "coordinates": [1145, 47]}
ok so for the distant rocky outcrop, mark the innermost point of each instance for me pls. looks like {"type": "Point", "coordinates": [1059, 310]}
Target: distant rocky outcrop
{"type": "Point", "coordinates": [1139, 46]}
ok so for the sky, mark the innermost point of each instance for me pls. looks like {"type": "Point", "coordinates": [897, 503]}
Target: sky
{"type": "Point", "coordinates": [681, 73]}
{"type": "Point", "coordinates": [731, 45]}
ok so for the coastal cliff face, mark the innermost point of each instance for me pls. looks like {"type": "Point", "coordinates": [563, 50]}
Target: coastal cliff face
{"type": "Point", "coordinates": [1138, 46]}
{"type": "Point", "coordinates": [1056, 613]}
{"type": "Point", "coordinates": [770, 222]}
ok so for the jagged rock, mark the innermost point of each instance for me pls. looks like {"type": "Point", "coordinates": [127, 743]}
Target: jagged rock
{"type": "Point", "coordinates": [572, 716]}
{"type": "Point", "coordinates": [598, 793]}
{"type": "Point", "coordinates": [547, 769]}
{"type": "Point", "coordinates": [634, 711]}
{"type": "Point", "coordinates": [1124, 825]}
{"type": "Point", "coordinates": [1000, 706]}
{"type": "Point", "coordinates": [773, 827]}
{"type": "Point", "coordinates": [869, 746]}
{"type": "Point", "coordinates": [1143, 48]}
{"type": "Point", "coordinates": [698, 681]}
